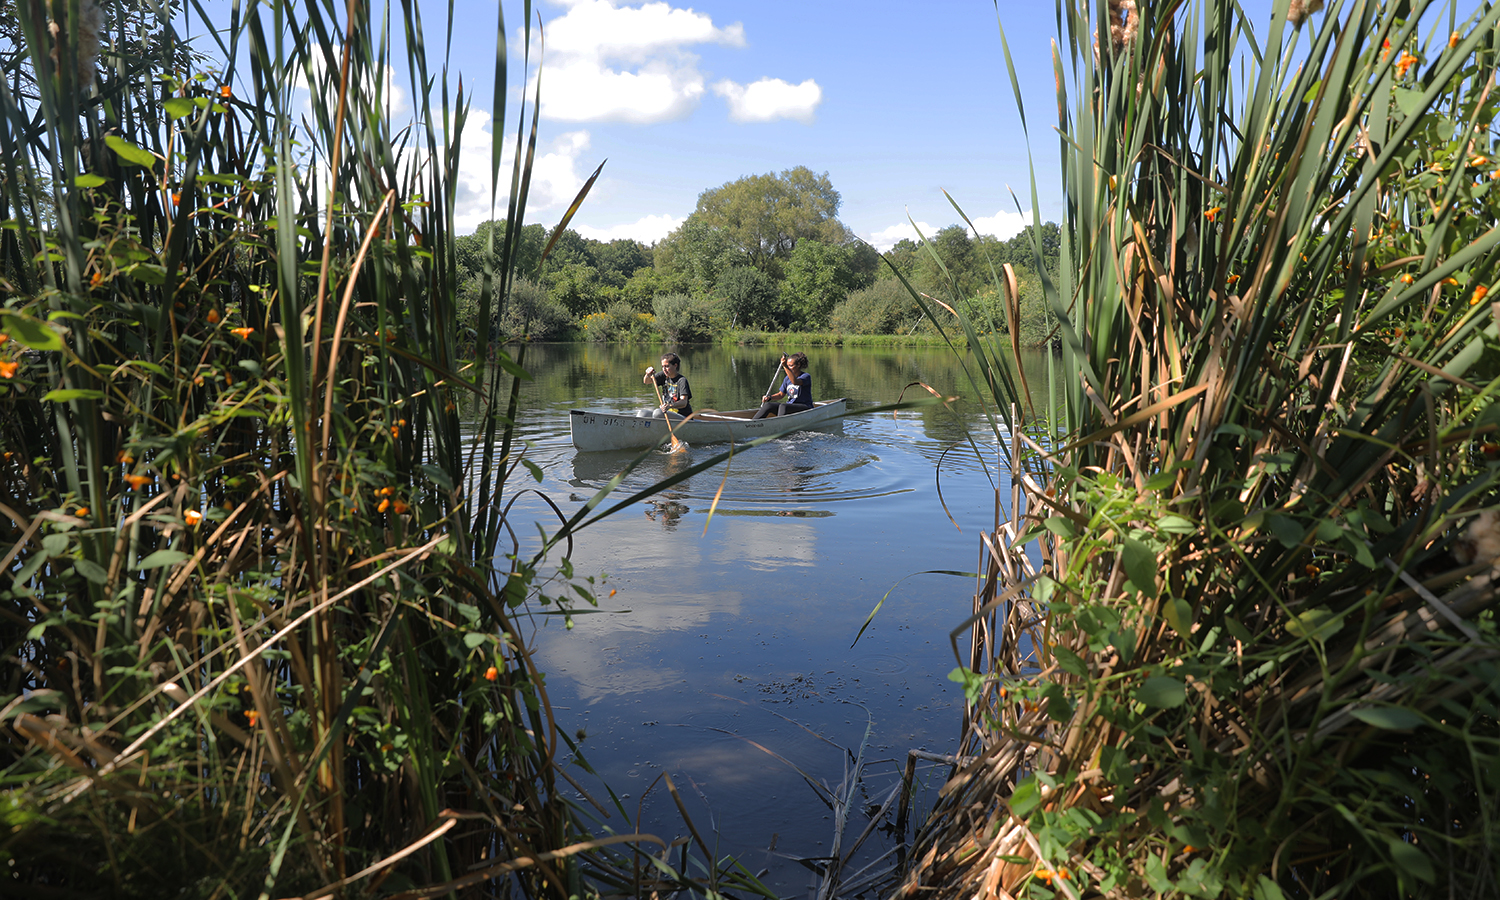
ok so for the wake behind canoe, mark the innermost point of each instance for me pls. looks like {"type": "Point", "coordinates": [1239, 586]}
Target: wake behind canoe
{"type": "Point", "coordinates": [616, 431]}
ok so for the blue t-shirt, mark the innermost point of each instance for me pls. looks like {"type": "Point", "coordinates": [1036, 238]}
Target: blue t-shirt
{"type": "Point", "coordinates": [799, 392]}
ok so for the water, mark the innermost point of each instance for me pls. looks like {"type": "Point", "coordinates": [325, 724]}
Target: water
{"type": "Point", "coordinates": [727, 657]}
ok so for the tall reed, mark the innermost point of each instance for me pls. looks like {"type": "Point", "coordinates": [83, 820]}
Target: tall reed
{"type": "Point", "coordinates": [1237, 637]}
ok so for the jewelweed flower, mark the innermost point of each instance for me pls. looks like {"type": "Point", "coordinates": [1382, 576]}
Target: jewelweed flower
{"type": "Point", "coordinates": [8, 368]}
{"type": "Point", "coordinates": [1408, 278]}
{"type": "Point", "coordinates": [395, 431]}
{"type": "Point", "coordinates": [384, 505]}
{"type": "Point", "coordinates": [491, 673]}
{"type": "Point", "coordinates": [244, 333]}
{"type": "Point", "coordinates": [1450, 281]}
{"type": "Point", "coordinates": [81, 512]}
{"type": "Point", "coordinates": [96, 279]}
{"type": "Point", "coordinates": [124, 458]}
{"type": "Point", "coordinates": [138, 481]}
{"type": "Point", "coordinates": [224, 91]}
{"type": "Point", "coordinates": [192, 517]}
{"type": "Point", "coordinates": [398, 507]}
{"type": "Point", "coordinates": [1405, 62]}
{"type": "Point", "coordinates": [1213, 213]}
{"type": "Point", "coordinates": [4, 338]}
{"type": "Point", "coordinates": [213, 317]}
{"type": "Point", "coordinates": [1479, 161]}
{"type": "Point", "coordinates": [1479, 294]}
{"type": "Point", "coordinates": [1452, 40]}
{"type": "Point", "coordinates": [252, 717]}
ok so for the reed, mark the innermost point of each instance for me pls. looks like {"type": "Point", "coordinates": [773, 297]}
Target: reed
{"type": "Point", "coordinates": [1235, 635]}
{"type": "Point", "coordinates": [259, 619]}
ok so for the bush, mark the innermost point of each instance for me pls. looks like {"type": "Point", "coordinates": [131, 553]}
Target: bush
{"type": "Point", "coordinates": [884, 307]}
{"type": "Point", "coordinates": [620, 322]}
{"type": "Point", "coordinates": [683, 318]}
{"type": "Point", "coordinates": [531, 314]}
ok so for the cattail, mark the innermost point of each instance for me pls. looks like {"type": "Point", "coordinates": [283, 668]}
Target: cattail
{"type": "Point", "coordinates": [1298, 12]}
{"type": "Point", "coordinates": [90, 23]}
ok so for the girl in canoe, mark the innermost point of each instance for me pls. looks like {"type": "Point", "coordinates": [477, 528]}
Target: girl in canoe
{"type": "Point", "coordinates": [675, 393]}
{"type": "Point", "coordinates": [796, 392]}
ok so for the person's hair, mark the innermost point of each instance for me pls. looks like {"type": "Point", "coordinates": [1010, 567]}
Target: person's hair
{"type": "Point", "coordinates": [673, 359]}
{"type": "Point", "coordinates": [800, 359]}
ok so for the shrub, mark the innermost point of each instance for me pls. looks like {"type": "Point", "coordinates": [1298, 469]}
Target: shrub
{"type": "Point", "coordinates": [885, 307]}
{"type": "Point", "coordinates": [683, 318]}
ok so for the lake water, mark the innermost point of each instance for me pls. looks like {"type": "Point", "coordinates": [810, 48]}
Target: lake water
{"type": "Point", "coordinates": [727, 658]}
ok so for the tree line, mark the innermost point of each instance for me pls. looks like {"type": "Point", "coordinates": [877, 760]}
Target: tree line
{"type": "Point", "coordinates": [765, 253]}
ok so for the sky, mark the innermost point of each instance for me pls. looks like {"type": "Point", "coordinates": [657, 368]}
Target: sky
{"type": "Point", "coordinates": [894, 102]}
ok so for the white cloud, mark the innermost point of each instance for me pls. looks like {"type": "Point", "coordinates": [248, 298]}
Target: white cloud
{"type": "Point", "coordinates": [555, 177]}
{"type": "Point", "coordinates": [647, 230]}
{"type": "Point", "coordinates": [771, 98]}
{"type": "Point", "coordinates": [1003, 225]}
{"type": "Point", "coordinates": [606, 61]}
{"type": "Point", "coordinates": [886, 238]}
{"type": "Point", "coordinates": [397, 107]}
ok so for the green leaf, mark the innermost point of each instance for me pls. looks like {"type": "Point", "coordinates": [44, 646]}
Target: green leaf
{"type": "Point", "coordinates": [88, 180]}
{"type": "Point", "coordinates": [55, 544]}
{"type": "Point", "coordinates": [1318, 623]}
{"type": "Point", "coordinates": [1266, 889]}
{"type": "Point", "coordinates": [62, 395]}
{"type": "Point", "coordinates": [29, 331]}
{"type": "Point", "coordinates": [1393, 718]}
{"type": "Point", "coordinates": [177, 107]}
{"type": "Point", "coordinates": [438, 476]}
{"type": "Point", "coordinates": [1175, 524]}
{"type": "Point", "coordinates": [474, 639]}
{"type": "Point", "coordinates": [91, 570]}
{"type": "Point", "coordinates": [1179, 614]}
{"type": "Point", "coordinates": [1025, 798]}
{"type": "Point", "coordinates": [1060, 526]}
{"type": "Point", "coordinates": [1140, 566]}
{"type": "Point", "coordinates": [1070, 662]}
{"type": "Point", "coordinates": [1162, 692]}
{"type": "Point", "coordinates": [1411, 860]}
{"type": "Point", "coordinates": [1286, 530]}
{"type": "Point", "coordinates": [129, 152]}
{"type": "Point", "coordinates": [163, 558]}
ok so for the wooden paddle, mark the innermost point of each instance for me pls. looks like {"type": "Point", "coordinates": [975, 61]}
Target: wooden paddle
{"type": "Point", "coordinates": [677, 446]}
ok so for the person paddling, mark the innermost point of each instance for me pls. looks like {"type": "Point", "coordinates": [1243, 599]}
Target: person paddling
{"type": "Point", "coordinates": [796, 394]}
{"type": "Point", "coordinates": [677, 396]}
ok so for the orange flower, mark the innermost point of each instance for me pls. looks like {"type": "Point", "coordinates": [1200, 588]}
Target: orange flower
{"type": "Point", "coordinates": [96, 279]}
{"type": "Point", "coordinates": [1045, 875]}
{"type": "Point", "coordinates": [1213, 213]}
{"type": "Point", "coordinates": [1452, 40]}
{"type": "Point", "coordinates": [192, 517]}
{"type": "Point", "coordinates": [1231, 279]}
{"type": "Point", "coordinates": [1407, 278]}
{"type": "Point", "coordinates": [612, 592]}
{"type": "Point", "coordinates": [1479, 293]}
{"type": "Point", "coordinates": [385, 491]}
{"type": "Point", "coordinates": [1385, 48]}
{"type": "Point", "coordinates": [1312, 570]}
{"type": "Point", "coordinates": [4, 338]}
{"type": "Point", "coordinates": [138, 481]}
{"type": "Point", "coordinates": [398, 507]}
{"type": "Point", "coordinates": [1479, 161]}
{"type": "Point", "coordinates": [1405, 62]}
{"type": "Point", "coordinates": [252, 717]}
{"type": "Point", "coordinates": [81, 512]}
{"type": "Point", "coordinates": [224, 91]}
{"type": "Point", "coordinates": [124, 458]}
{"type": "Point", "coordinates": [491, 673]}
{"type": "Point", "coordinates": [213, 317]}
{"type": "Point", "coordinates": [384, 505]}
{"type": "Point", "coordinates": [244, 333]}
{"type": "Point", "coordinates": [395, 431]}
{"type": "Point", "coordinates": [8, 368]}
{"type": "Point", "coordinates": [1450, 281]}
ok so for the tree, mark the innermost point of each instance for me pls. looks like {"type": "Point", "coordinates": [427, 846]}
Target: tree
{"type": "Point", "coordinates": [471, 248]}
{"type": "Point", "coordinates": [749, 297]}
{"type": "Point", "coordinates": [764, 216]}
{"type": "Point", "coordinates": [818, 277]}
{"type": "Point", "coordinates": [699, 251]}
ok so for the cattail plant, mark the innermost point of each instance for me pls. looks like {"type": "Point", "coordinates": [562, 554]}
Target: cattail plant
{"type": "Point", "coordinates": [1237, 637]}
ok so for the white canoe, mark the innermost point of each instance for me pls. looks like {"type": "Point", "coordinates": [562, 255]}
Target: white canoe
{"type": "Point", "coordinates": [615, 431]}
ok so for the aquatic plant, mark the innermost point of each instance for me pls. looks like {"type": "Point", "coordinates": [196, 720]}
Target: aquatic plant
{"type": "Point", "coordinates": [1236, 638]}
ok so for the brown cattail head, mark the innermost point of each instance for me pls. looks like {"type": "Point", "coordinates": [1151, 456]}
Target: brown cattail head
{"type": "Point", "coordinates": [90, 24]}
{"type": "Point", "coordinates": [1298, 12]}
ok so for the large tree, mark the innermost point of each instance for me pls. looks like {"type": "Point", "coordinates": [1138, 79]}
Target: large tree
{"type": "Point", "coordinates": [764, 216]}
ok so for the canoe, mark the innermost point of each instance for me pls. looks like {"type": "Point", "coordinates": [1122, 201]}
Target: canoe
{"type": "Point", "coordinates": [617, 431]}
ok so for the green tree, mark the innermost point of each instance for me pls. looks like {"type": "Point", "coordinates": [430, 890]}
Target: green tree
{"type": "Point", "coordinates": [645, 285]}
{"type": "Point", "coordinates": [764, 216]}
{"type": "Point", "coordinates": [749, 297]}
{"type": "Point", "coordinates": [699, 251]}
{"type": "Point", "coordinates": [818, 277]}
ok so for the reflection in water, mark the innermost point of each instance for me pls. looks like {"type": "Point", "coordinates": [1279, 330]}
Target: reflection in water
{"type": "Point", "coordinates": [725, 658]}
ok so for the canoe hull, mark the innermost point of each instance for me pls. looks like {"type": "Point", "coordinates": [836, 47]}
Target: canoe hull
{"type": "Point", "coordinates": [613, 431]}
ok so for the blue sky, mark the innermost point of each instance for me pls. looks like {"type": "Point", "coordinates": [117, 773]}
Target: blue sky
{"type": "Point", "coordinates": [894, 101]}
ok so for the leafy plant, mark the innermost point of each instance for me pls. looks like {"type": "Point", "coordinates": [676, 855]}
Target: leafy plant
{"type": "Point", "coordinates": [1237, 638]}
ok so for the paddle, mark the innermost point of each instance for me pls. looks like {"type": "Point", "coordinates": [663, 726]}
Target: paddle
{"type": "Point", "coordinates": [774, 375]}
{"type": "Point", "coordinates": [677, 446]}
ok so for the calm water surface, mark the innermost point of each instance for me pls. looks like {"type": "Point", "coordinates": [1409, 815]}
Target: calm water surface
{"type": "Point", "coordinates": [727, 657]}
